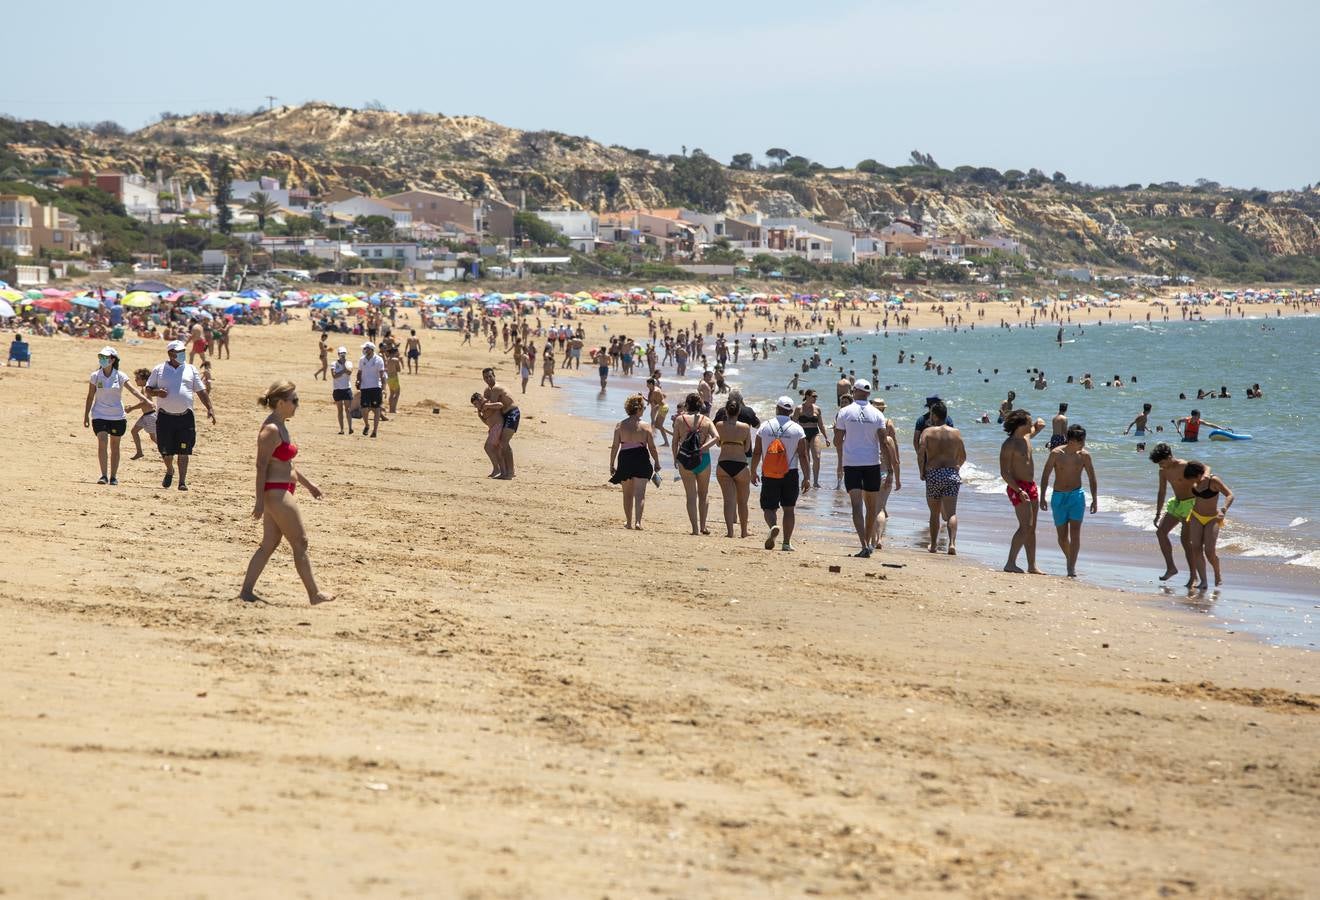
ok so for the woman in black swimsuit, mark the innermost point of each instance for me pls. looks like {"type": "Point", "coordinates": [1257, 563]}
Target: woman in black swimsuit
{"type": "Point", "coordinates": [808, 416]}
{"type": "Point", "coordinates": [732, 473]}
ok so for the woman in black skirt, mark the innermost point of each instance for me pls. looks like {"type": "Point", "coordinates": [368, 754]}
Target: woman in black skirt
{"type": "Point", "coordinates": [634, 459]}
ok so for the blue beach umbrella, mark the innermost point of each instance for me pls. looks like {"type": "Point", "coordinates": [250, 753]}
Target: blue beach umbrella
{"type": "Point", "coordinates": [89, 302]}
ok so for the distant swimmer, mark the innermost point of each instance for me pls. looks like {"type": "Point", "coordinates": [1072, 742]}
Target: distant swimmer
{"type": "Point", "coordinates": [1006, 407]}
{"type": "Point", "coordinates": [1139, 422]}
{"type": "Point", "coordinates": [1059, 424]}
{"type": "Point", "coordinates": [1189, 427]}
{"type": "Point", "coordinates": [1059, 337]}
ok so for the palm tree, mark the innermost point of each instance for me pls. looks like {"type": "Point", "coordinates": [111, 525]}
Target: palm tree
{"type": "Point", "coordinates": [262, 206]}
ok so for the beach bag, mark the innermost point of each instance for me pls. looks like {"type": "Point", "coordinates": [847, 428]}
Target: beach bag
{"type": "Point", "coordinates": [688, 454]}
{"type": "Point", "coordinates": [775, 464]}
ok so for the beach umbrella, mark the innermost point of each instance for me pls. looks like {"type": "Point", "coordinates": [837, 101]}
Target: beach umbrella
{"type": "Point", "coordinates": [236, 310]}
{"type": "Point", "coordinates": [34, 295]}
{"type": "Point", "coordinates": [54, 292]}
{"type": "Point", "coordinates": [89, 302]}
{"type": "Point", "coordinates": [10, 294]}
{"type": "Point", "coordinates": [150, 287]}
{"type": "Point", "coordinates": [53, 304]}
{"type": "Point", "coordinates": [6, 311]}
{"type": "Point", "coordinates": [139, 300]}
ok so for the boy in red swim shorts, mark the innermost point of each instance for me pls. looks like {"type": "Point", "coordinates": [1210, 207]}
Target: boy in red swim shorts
{"type": "Point", "coordinates": [1018, 470]}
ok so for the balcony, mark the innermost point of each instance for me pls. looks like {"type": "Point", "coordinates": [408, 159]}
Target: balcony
{"type": "Point", "coordinates": [20, 221]}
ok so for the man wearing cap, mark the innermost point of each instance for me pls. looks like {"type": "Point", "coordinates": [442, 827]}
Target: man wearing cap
{"type": "Point", "coordinates": [780, 455]}
{"type": "Point", "coordinates": [342, 391]}
{"type": "Point", "coordinates": [859, 435]}
{"type": "Point", "coordinates": [174, 384]}
{"type": "Point", "coordinates": [370, 381]}
{"type": "Point", "coordinates": [923, 422]}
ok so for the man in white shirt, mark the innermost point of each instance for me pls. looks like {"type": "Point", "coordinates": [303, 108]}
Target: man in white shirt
{"type": "Point", "coordinates": [867, 458]}
{"type": "Point", "coordinates": [370, 381]}
{"type": "Point", "coordinates": [342, 391]}
{"type": "Point", "coordinates": [174, 384]}
{"type": "Point", "coordinates": [780, 455]}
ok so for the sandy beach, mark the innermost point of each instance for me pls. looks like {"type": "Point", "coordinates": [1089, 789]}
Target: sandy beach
{"type": "Point", "coordinates": [514, 696]}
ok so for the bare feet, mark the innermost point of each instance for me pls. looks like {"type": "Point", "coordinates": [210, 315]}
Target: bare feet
{"type": "Point", "coordinates": [321, 597]}
{"type": "Point", "coordinates": [249, 597]}
{"type": "Point", "coordinates": [953, 551]}
{"type": "Point", "coordinates": [1013, 567]}
{"type": "Point", "coordinates": [1169, 574]}
{"type": "Point", "coordinates": [137, 456]}
{"type": "Point", "coordinates": [705, 530]}
{"type": "Point", "coordinates": [1034, 571]}
{"type": "Point", "coordinates": [932, 549]}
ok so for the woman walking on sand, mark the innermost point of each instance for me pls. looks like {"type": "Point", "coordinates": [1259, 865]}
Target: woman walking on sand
{"type": "Point", "coordinates": [808, 415]}
{"type": "Point", "coordinates": [734, 477]}
{"type": "Point", "coordinates": [692, 457]}
{"type": "Point", "coordinates": [634, 459]}
{"type": "Point", "coordinates": [104, 411]}
{"type": "Point", "coordinates": [1204, 522]}
{"type": "Point", "coordinates": [276, 481]}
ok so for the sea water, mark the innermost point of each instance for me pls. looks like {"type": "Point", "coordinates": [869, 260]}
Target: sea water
{"type": "Point", "coordinates": [1270, 546]}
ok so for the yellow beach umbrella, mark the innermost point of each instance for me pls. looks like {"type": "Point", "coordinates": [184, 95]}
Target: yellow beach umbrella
{"type": "Point", "coordinates": [140, 300]}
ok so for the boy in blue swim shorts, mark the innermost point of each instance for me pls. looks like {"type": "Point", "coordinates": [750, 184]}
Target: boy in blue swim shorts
{"type": "Point", "coordinates": [1067, 463]}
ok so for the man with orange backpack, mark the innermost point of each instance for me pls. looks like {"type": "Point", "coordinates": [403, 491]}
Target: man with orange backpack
{"type": "Point", "coordinates": [780, 455]}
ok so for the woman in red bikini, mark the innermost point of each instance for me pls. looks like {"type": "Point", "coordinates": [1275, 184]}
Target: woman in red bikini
{"type": "Point", "coordinates": [275, 506]}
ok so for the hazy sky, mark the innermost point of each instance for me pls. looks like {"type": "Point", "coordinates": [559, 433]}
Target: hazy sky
{"type": "Point", "coordinates": [1110, 93]}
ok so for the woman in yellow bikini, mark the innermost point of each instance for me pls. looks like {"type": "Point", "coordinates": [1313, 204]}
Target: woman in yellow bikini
{"type": "Point", "coordinates": [1204, 521]}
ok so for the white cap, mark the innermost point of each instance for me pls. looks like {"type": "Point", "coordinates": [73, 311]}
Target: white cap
{"type": "Point", "coordinates": [109, 351]}
{"type": "Point", "coordinates": [176, 345]}
{"type": "Point", "coordinates": [368, 344]}
{"type": "Point", "coordinates": [785, 402]}
{"type": "Point", "coordinates": [342, 350]}
{"type": "Point", "coordinates": [861, 384]}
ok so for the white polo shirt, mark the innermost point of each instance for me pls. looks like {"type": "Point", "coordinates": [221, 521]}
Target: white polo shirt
{"type": "Point", "coordinates": [342, 374]}
{"type": "Point", "coordinates": [181, 382]}
{"type": "Point", "coordinates": [109, 402]}
{"type": "Point", "coordinates": [790, 434]}
{"type": "Point", "coordinates": [372, 371]}
{"type": "Point", "coordinates": [863, 428]}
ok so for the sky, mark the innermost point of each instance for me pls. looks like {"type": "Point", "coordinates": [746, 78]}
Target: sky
{"type": "Point", "coordinates": [1108, 93]}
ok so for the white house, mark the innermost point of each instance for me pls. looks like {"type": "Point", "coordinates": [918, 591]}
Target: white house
{"type": "Point", "coordinates": [841, 240]}
{"type": "Point", "coordinates": [241, 191]}
{"type": "Point", "coordinates": [579, 226]}
{"type": "Point", "coordinates": [350, 209]}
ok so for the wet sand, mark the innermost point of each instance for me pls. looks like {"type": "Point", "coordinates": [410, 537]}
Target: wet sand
{"type": "Point", "coordinates": [514, 696]}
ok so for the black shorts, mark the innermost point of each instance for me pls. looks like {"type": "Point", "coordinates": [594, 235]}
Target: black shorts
{"type": "Point", "coordinates": [112, 427]}
{"type": "Point", "coordinates": [371, 398]}
{"type": "Point", "coordinates": [175, 435]}
{"type": "Point", "coordinates": [414, 354]}
{"type": "Point", "coordinates": [863, 478]}
{"type": "Point", "coordinates": [512, 418]}
{"type": "Point", "coordinates": [345, 394]}
{"type": "Point", "coordinates": [777, 492]}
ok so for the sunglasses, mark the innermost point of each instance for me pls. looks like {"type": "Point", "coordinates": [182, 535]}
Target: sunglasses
{"type": "Point", "coordinates": [293, 400]}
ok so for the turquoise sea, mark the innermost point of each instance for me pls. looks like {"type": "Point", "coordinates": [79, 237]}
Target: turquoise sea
{"type": "Point", "coordinates": [1271, 544]}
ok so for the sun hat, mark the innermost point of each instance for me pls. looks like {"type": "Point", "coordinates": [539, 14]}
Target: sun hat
{"type": "Point", "coordinates": [108, 351]}
{"type": "Point", "coordinates": [369, 344]}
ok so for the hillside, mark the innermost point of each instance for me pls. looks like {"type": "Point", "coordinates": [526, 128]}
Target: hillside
{"type": "Point", "coordinates": [1202, 229]}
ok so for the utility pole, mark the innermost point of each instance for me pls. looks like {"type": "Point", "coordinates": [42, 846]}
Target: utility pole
{"type": "Point", "coordinates": [270, 101]}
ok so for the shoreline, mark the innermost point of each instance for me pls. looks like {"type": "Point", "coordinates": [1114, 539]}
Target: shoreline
{"type": "Point", "coordinates": [515, 696]}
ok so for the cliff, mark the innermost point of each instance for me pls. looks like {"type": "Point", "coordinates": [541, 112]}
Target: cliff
{"type": "Point", "coordinates": [318, 146]}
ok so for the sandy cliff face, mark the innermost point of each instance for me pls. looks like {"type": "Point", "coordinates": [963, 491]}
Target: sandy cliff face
{"type": "Point", "coordinates": [318, 146]}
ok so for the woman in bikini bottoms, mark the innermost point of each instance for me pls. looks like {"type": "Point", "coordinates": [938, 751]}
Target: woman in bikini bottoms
{"type": "Point", "coordinates": [1204, 522]}
{"type": "Point", "coordinates": [696, 482]}
{"type": "Point", "coordinates": [276, 481]}
{"type": "Point", "coordinates": [808, 416]}
{"type": "Point", "coordinates": [731, 471]}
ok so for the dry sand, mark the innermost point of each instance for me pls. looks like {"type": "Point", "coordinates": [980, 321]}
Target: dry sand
{"type": "Point", "coordinates": [514, 696]}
